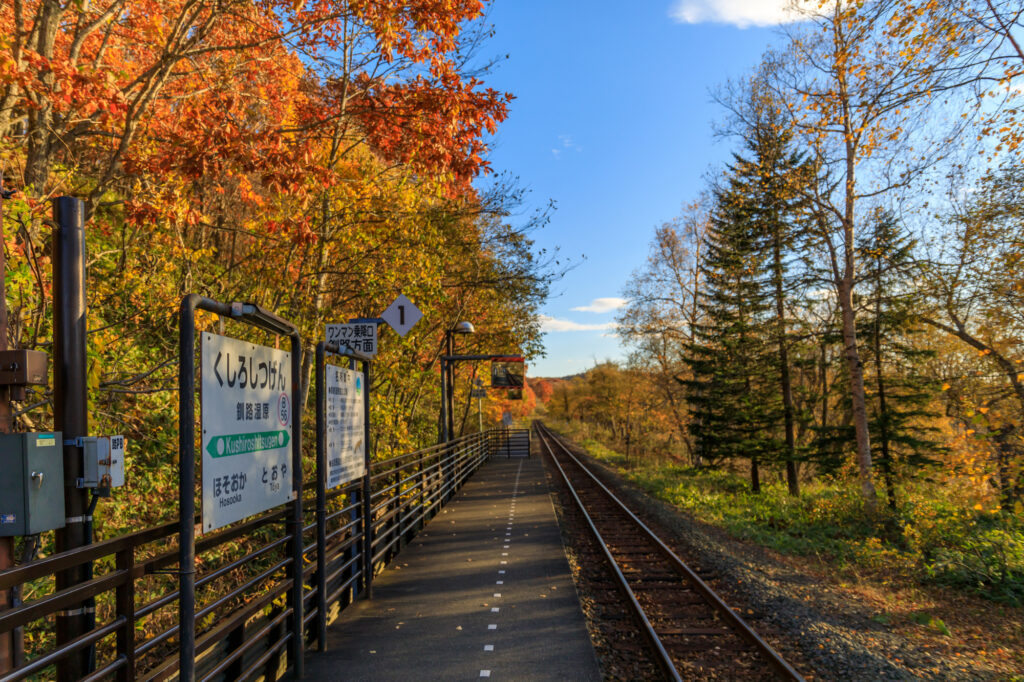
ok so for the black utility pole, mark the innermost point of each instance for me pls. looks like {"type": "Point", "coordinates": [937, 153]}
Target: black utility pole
{"type": "Point", "coordinates": [70, 412]}
{"type": "Point", "coordinates": [7, 642]}
{"type": "Point", "coordinates": [450, 407]}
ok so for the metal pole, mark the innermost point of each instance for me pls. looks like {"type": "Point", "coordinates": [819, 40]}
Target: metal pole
{"type": "Point", "coordinates": [186, 489]}
{"type": "Point", "coordinates": [367, 497]}
{"type": "Point", "coordinates": [321, 498]}
{"type": "Point", "coordinates": [444, 401]}
{"type": "Point", "coordinates": [450, 342]}
{"type": "Point", "coordinates": [298, 643]}
{"type": "Point", "coordinates": [70, 412]}
{"type": "Point", "coordinates": [8, 645]}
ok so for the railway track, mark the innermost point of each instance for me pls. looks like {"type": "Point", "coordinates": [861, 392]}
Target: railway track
{"type": "Point", "coordinates": [692, 633]}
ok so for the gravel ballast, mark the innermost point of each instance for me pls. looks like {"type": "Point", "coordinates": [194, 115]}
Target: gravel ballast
{"type": "Point", "coordinates": [817, 627]}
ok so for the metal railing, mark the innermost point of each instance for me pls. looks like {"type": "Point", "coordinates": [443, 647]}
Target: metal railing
{"type": "Point", "coordinates": [243, 618]}
{"type": "Point", "coordinates": [512, 442]}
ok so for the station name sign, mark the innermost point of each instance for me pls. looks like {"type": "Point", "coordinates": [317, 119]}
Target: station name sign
{"type": "Point", "coordinates": [247, 429]}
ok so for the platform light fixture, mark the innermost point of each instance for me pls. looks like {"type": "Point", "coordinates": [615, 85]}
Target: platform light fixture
{"type": "Point", "coordinates": [448, 379]}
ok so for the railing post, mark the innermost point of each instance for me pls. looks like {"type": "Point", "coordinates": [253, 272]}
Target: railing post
{"type": "Point", "coordinates": [186, 489]}
{"type": "Point", "coordinates": [297, 603]}
{"type": "Point", "coordinates": [321, 499]}
{"type": "Point", "coordinates": [125, 596]}
{"type": "Point", "coordinates": [367, 493]}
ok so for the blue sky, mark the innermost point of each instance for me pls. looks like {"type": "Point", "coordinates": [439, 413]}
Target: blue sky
{"type": "Point", "coordinates": [612, 121]}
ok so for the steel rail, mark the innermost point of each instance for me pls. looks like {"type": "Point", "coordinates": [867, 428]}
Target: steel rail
{"type": "Point", "coordinates": [730, 616]}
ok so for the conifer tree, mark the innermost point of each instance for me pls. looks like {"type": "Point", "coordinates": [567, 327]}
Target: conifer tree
{"type": "Point", "coordinates": [756, 224]}
{"type": "Point", "coordinates": [731, 395]}
{"type": "Point", "coordinates": [899, 394]}
{"type": "Point", "coordinates": [772, 181]}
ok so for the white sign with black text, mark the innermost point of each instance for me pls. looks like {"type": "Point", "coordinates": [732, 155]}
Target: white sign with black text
{"type": "Point", "coordinates": [345, 426]}
{"type": "Point", "coordinates": [357, 336]}
{"type": "Point", "coordinates": [402, 315]}
{"type": "Point", "coordinates": [247, 429]}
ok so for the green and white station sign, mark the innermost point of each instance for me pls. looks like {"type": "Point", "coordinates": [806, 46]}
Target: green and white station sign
{"type": "Point", "coordinates": [247, 429]}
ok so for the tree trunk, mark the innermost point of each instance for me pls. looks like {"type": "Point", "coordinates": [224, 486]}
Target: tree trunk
{"type": "Point", "coordinates": [883, 417]}
{"type": "Point", "coordinates": [786, 381]}
{"type": "Point", "coordinates": [858, 399]}
{"type": "Point", "coordinates": [824, 395]}
{"type": "Point", "coordinates": [39, 160]}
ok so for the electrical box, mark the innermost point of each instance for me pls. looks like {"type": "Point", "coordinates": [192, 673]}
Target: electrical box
{"type": "Point", "coordinates": [32, 484]}
{"type": "Point", "coordinates": [23, 367]}
{"type": "Point", "coordinates": [103, 463]}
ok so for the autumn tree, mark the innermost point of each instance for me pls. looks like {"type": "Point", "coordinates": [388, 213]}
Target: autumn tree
{"type": "Point", "coordinates": [663, 308]}
{"type": "Point", "coordinates": [975, 293]}
{"type": "Point", "coordinates": [856, 80]}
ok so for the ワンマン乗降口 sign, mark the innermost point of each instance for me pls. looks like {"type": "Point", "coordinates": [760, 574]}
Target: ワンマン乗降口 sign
{"type": "Point", "coordinates": [358, 336]}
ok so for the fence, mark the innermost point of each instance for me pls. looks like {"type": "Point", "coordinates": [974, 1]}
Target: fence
{"type": "Point", "coordinates": [243, 621]}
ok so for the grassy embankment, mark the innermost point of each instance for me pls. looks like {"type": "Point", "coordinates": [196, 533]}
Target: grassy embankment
{"type": "Point", "coordinates": [931, 538]}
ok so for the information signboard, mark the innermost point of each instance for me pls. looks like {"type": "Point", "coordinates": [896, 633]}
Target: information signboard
{"type": "Point", "coordinates": [247, 429]}
{"type": "Point", "coordinates": [345, 422]}
{"type": "Point", "coordinates": [357, 336]}
{"type": "Point", "coordinates": [508, 372]}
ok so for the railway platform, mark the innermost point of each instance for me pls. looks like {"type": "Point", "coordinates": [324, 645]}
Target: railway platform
{"type": "Point", "coordinates": [484, 591]}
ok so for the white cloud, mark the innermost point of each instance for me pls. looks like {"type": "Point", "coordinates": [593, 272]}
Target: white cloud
{"type": "Point", "coordinates": [554, 324]}
{"type": "Point", "coordinates": [741, 13]}
{"type": "Point", "coordinates": [565, 142]}
{"type": "Point", "coordinates": [602, 305]}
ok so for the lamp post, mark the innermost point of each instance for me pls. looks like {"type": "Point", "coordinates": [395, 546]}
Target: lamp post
{"type": "Point", "coordinates": [448, 379]}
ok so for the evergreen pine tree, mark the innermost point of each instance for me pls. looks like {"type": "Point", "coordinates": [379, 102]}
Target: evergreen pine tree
{"type": "Point", "coordinates": [899, 396]}
{"type": "Point", "coordinates": [732, 396]}
{"type": "Point", "coordinates": [742, 391]}
{"type": "Point", "coordinates": [773, 180]}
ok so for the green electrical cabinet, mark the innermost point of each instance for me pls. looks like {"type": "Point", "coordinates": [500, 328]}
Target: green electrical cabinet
{"type": "Point", "coordinates": [31, 483]}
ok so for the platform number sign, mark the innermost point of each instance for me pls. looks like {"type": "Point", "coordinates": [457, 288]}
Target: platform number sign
{"type": "Point", "coordinates": [402, 315]}
{"type": "Point", "coordinates": [247, 429]}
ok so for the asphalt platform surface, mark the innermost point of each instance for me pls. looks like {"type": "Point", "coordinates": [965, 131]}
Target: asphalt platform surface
{"type": "Point", "coordinates": [484, 591]}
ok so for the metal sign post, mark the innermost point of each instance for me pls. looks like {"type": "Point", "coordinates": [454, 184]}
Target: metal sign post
{"type": "Point", "coordinates": [342, 438]}
{"type": "Point", "coordinates": [254, 316]}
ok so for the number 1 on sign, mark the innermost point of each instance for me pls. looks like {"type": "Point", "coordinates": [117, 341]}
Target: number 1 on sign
{"type": "Point", "coordinates": [401, 315]}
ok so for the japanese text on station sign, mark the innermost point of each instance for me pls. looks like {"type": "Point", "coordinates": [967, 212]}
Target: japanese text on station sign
{"type": "Point", "coordinates": [247, 429]}
{"type": "Point", "coordinates": [357, 336]}
{"type": "Point", "coordinates": [345, 425]}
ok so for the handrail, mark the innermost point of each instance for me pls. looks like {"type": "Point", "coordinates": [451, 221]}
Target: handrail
{"type": "Point", "coordinates": [242, 572]}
